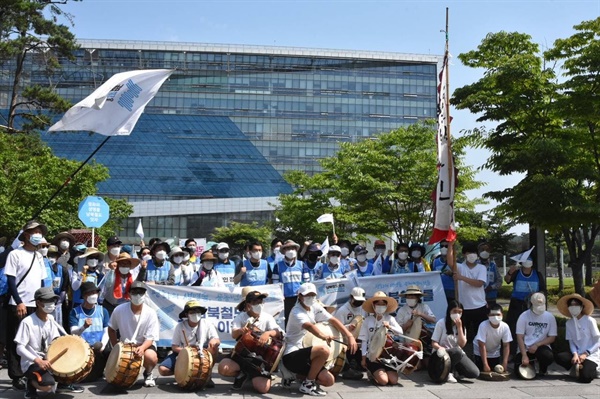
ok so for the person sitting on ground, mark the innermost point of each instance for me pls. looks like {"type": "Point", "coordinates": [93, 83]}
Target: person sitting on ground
{"type": "Point", "coordinates": [351, 314]}
{"type": "Point", "coordinates": [491, 346]}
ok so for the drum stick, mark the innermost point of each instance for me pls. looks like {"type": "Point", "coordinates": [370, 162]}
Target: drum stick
{"type": "Point", "coordinates": [58, 356]}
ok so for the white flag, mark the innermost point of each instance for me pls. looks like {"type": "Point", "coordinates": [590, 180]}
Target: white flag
{"type": "Point", "coordinates": [325, 246]}
{"type": "Point", "coordinates": [114, 108]}
{"type": "Point", "coordinates": [378, 266]}
{"type": "Point", "coordinates": [523, 256]}
{"type": "Point", "coordinates": [325, 218]}
{"type": "Point", "coordinates": [140, 230]}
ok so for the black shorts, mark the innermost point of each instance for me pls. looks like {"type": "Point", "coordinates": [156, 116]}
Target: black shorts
{"type": "Point", "coordinates": [374, 366]}
{"type": "Point", "coordinates": [298, 361]}
{"type": "Point", "coordinates": [252, 366]}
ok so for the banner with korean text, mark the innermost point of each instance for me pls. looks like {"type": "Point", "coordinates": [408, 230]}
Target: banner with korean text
{"type": "Point", "coordinates": [168, 302]}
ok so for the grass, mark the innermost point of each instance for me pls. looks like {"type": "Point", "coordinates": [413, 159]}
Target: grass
{"type": "Point", "coordinates": [552, 282]}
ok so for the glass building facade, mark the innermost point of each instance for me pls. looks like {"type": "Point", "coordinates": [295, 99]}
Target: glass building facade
{"type": "Point", "coordinates": [280, 108]}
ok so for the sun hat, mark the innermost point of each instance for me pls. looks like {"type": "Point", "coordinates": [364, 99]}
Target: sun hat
{"type": "Point", "coordinates": [392, 304]}
{"type": "Point", "coordinates": [189, 305]}
{"type": "Point", "coordinates": [412, 290]}
{"type": "Point", "coordinates": [563, 304]}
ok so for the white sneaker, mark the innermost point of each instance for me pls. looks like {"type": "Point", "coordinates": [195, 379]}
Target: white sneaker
{"type": "Point", "coordinates": [451, 378]}
{"type": "Point", "coordinates": [311, 388]}
{"type": "Point", "coordinates": [441, 352]}
{"type": "Point", "coordinates": [150, 381]}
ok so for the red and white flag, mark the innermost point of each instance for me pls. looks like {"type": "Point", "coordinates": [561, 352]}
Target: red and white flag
{"type": "Point", "coordinates": [444, 227]}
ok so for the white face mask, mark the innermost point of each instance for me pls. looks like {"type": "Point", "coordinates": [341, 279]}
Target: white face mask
{"type": "Point", "coordinates": [380, 309]}
{"type": "Point", "coordinates": [402, 255]}
{"type": "Point", "coordinates": [92, 299]}
{"type": "Point", "coordinates": [309, 300]}
{"type": "Point", "coordinates": [43, 251]}
{"type": "Point", "coordinates": [137, 299]}
{"type": "Point", "coordinates": [495, 320]}
{"type": "Point", "coordinates": [334, 260]}
{"type": "Point", "coordinates": [538, 309]}
{"type": "Point", "coordinates": [49, 307]}
{"type": "Point", "coordinates": [147, 257]}
{"type": "Point", "coordinates": [124, 270]}
{"type": "Point", "coordinates": [412, 302]}
{"type": "Point", "coordinates": [471, 258]}
{"type": "Point", "coordinates": [162, 255]}
{"type": "Point", "coordinates": [194, 317]}
{"type": "Point", "coordinates": [257, 255]}
{"type": "Point", "coordinates": [415, 254]}
{"type": "Point", "coordinates": [455, 316]}
{"type": "Point", "coordinates": [444, 251]}
{"type": "Point", "coordinates": [186, 258]}
{"type": "Point", "coordinates": [575, 310]}
{"type": "Point", "coordinates": [361, 258]}
{"type": "Point", "coordinates": [258, 308]}
{"type": "Point", "coordinates": [528, 264]}
{"type": "Point", "coordinates": [92, 262]}
{"type": "Point", "coordinates": [223, 255]}
{"type": "Point", "coordinates": [484, 254]}
{"type": "Point", "coordinates": [207, 265]}
{"type": "Point", "coordinates": [345, 251]}
{"type": "Point", "coordinates": [115, 251]}
{"type": "Point", "coordinates": [291, 254]}
{"type": "Point", "coordinates": [177, 259]}
{"type": "Point", "coordinates": [64, 245]}
{"type": "Point", "coordinates": [379, 251]}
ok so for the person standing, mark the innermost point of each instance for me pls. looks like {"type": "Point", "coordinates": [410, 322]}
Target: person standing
{"type": "Point", "coordinates": [254, 270]}
{"type": "Point", "coordinates": [289, 272]}
{"type": "Point", "coordinates": [224, 265]}
{"type": "Point", "coordinates": [494, 278]}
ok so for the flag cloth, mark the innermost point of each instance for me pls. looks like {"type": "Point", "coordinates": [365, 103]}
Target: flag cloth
{"type": "Point", "coordinates": [325, 246]}
{"type": "Point", "coordinates": [523, 256]}
{"type": "Point", "coordinates": [140, 230]}
{"type": "Point", "coordinates": [325, 218]}
{"type": "Point", "coordinates": [114, 108]}
{"type": "Point", "coordinates": [444, 227]}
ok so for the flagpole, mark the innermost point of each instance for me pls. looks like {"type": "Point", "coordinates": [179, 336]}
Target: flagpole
{"type": "Point", "coordinates": [70, 178]}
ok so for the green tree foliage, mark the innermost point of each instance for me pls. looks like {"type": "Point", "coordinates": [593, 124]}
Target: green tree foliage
{"type": "Point", "coordinates": [30, 32]}
{"type": "Point", "coordinates": [374, 187]}
{"type": "Point", "coordinates": [30, 174]}
{"type": "Point", "coordinates": [239, 234]}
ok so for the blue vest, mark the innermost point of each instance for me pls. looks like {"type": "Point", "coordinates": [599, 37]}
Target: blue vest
{"type": "Point", "coordinates": [290, 276]}
{"type": "Point", "coordinates": [399, 269]}
{"type": "Point", "coordinates": [524, 286]}
{"type": "Point", "coordinates": [94, 278]}
{"type": "Point", "coordinates": [420, 267]}
{"type": "Point", "coordinates": [158, 274]}
{"type": "Point", "coordinates": [385, 264]}
{"type": "Point", "coordinates": [311, 273]}
{"type": "Point", "coordinates": [447, 281]}
{"type": "Point", "coordinates": [227, 271]}
{"type": "Point", "coordinates": [338, 273]}
{"type": "Point", "coordinates": [491, 278]}
{"type": "Point", "coordinates": [367, 272]}
{"type": "Point", "coordinates": [345, 263]}
{"type": "Point", "coordinates": [93, 333]}
{"type": "Point", "coordinates": [255, 275]}
{"type": "Point", "coordinates": [52, 276]}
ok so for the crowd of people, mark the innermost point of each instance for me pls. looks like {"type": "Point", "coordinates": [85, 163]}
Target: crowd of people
{"type": "Point", "coordinates": [60, 288]}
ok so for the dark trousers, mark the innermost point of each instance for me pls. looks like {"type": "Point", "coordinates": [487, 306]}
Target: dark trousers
{"type": "Point", "coordinates": [515, 308]}
{"type": "Point", "coordinates": [472, 318]}
{"type": "Point", "coordinates": [586, 374]}
{"type": "Point", "coordinates": [492, 362]}
{"type": "Point", "coordinates": [543, 355]}
{"type": "Point", "coordinates": [461, 363]}
{"type": "Point", "coordinates": [288, 304]}
{"type": "Point", "coordinates": [12, 325]}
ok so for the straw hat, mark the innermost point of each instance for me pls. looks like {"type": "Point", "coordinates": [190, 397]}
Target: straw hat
{"type": "Point", "coordinates": [412, 290]}
{"type": "Point", "coordinates": [290, 244]}
{"type": "Point", "coordinates": [392, 304]}
{"type": "Point", "coordinates": [92, 251]}
{"type": "Point", "coordinates": [563, 304]}
{"type": "Point", "coordinates": [65, 235]}
{"type": "Point", "coordinates": [125, 257]}
{"type": "Point", "coordinates": [189, 305]}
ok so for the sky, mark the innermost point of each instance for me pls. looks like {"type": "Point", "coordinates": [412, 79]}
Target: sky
{"type": "Point", "coordinates": [404, 26]}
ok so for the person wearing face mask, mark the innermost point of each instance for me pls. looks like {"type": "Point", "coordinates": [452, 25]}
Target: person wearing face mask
{"type": "Point", "coordinates": [89, 320]}
{"type": "Point", "coordinates": [494, 278]}
{"type": "Point", "coordinates": [379, 248]}
{"type": "Point", "coordinates": [440, 264]}
{"type": "Point", "coordinates": [57, 277]}
{"type": "Point", "coordinates": [192, 330]}
{"type": "Point", "coordinates": [33, 339]}
{"type": "Point", "coordinates": [25, 272]}
{"type": "Point", "coordinates": [191, 245]}
{"type": "Point", "coordinates": [417, 263]}
{"type": "Point", "coordinates": [346, 261]}
{"type": "Point", "coordinates": [207, 276]}
{"type": "Point", "coordinates": [139, 324]}
{"type": "Point", "coordinates": [64, 242]}
{"type": "Point", "coordinates": [583, 358]}
{"type": "Point", "coordinates": [334, 269]}
{"type": "Point", "coordinates": [192, 267]}
{"type": "Point", "coordinates": [252, 271]}
{"type": "Point", "coordinates": [415, 308]}
{"type": "Point", "coordinates": [536, 331]}
{"type": "Point", "coordinates": [90, 272]}
{"type": "Point", "coordinates": [289, 272]}
{"type": "Point", "coordinates": [400, 264]}
{"type": "Point", "coordinates": [448, 339]}
{"type": "Point", "coordinates": [159, 269]}
{"type": "Point", "coordinates": [243, 365]}
{"type": "Point", "coordinates": [181, 274]}
{"type": "Point", "coordinates": [312, 262]}
{"type": "Point", "coordinates": [351, 314]}
{"type": "Point", "coordinates": [276, 254]}
{"type": "Point", "coordinates": [363, 267]}
{"type": "Point", "coordinates": [113, 250]}
{"type": "Point", "coordinates": [224, 265]}
{"type": "Point", "coordinates": [117, 287]}
{"type": "Point", "coordinates": [379, 306]}
{"type": "Point", "coordinates": [309, 361]}
{"type": "Point", "coordinates": [471, 277]}
{"type": "Point", "coordinates": [491, 346]}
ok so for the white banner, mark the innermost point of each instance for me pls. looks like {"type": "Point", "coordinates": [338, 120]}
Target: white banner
{"type": "Point", "coordinates": [168, 302]}
{"type": "Point", "coordinates": [336, 292]}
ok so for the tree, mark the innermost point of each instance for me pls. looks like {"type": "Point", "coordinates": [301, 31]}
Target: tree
{"type": "Point", "coordinates": [29, 31]}
{"type": "Point", "coordinates": [239, 234]}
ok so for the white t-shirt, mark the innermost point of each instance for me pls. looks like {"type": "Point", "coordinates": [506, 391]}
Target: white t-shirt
{"type": "Point", "coordinates": [298, 316]}
{"type": "Point", "coordinates": [265, 322]}
{"type": "Point", "coordinates": [346, 313]}
{"type": "Point", "coordinates": [371, 324]}
{"type": "Point", "coordinates": [470, 296]}
{"type": "Point", "coordinates": [17, 264]}
{"type": "Point", "coordinates": [536, 327]}
{"type": "Point", "coordinates": [405, 312]}
{"type": "Point", "coordinates": [196, 336]}
{"type": "Point", "coordinates": [492, 337]}
{"type": "Point", "coordinates": [34, 338]}
{"type": "Point", "coordinates": [126, 322]}
{"type": "Point", "coordinates": [443, 339]}
{"type": "Point", "coordinates": [589, 337]}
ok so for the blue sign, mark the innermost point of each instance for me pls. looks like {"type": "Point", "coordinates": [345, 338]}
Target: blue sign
{"type": "Point", "coordinates": [93, 211]}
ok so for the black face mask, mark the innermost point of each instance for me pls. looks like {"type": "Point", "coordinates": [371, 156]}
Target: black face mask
{"type": "Point", "coordinates": [313, 257]}
{"type": "Point", "coordinates": [356, 304]}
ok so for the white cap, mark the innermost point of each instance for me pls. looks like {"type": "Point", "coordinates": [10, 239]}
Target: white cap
{"type": "Point", "coordinates": [537, 299]}
{"type": "Point", "coordinates": [222, 245]}
{"type": "Point", "coordinates": [335, 248]}
{"type": "Point", "coordinates": [358, 294]}
{"type": "Point", "coordinates": [307, 288]}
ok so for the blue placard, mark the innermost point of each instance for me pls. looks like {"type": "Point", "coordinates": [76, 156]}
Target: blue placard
{"type": "Point", "coordinates": [93, 211]}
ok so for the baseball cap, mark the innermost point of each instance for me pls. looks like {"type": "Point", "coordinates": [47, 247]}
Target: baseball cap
{"type": "Point", "coordinates": [222, 245]}
{"type": "Point", "coordinates": [358, 294]}
{"type": "Point", "coordinates": [113, 241]}
{"type": "Point", "coordinates": [307, 288]}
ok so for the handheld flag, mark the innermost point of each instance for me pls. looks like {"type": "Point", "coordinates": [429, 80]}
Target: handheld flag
{"type": "Point", "coordinates": [325, 246]}
{"type": "Point", "coordinates": [140, 230]}
{"type": "Point", "coordinates": [114, 108]}
{"type": "Point", "coordinates": [325, 218]}
{"type": "Point", "coordinates": [523, 256]}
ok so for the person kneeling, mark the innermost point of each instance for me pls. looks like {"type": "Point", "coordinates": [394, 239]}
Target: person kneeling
{"type": "Point", "coordinates": [491, 345]}
{"type": "Point", "coordinates": [242, 365]}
